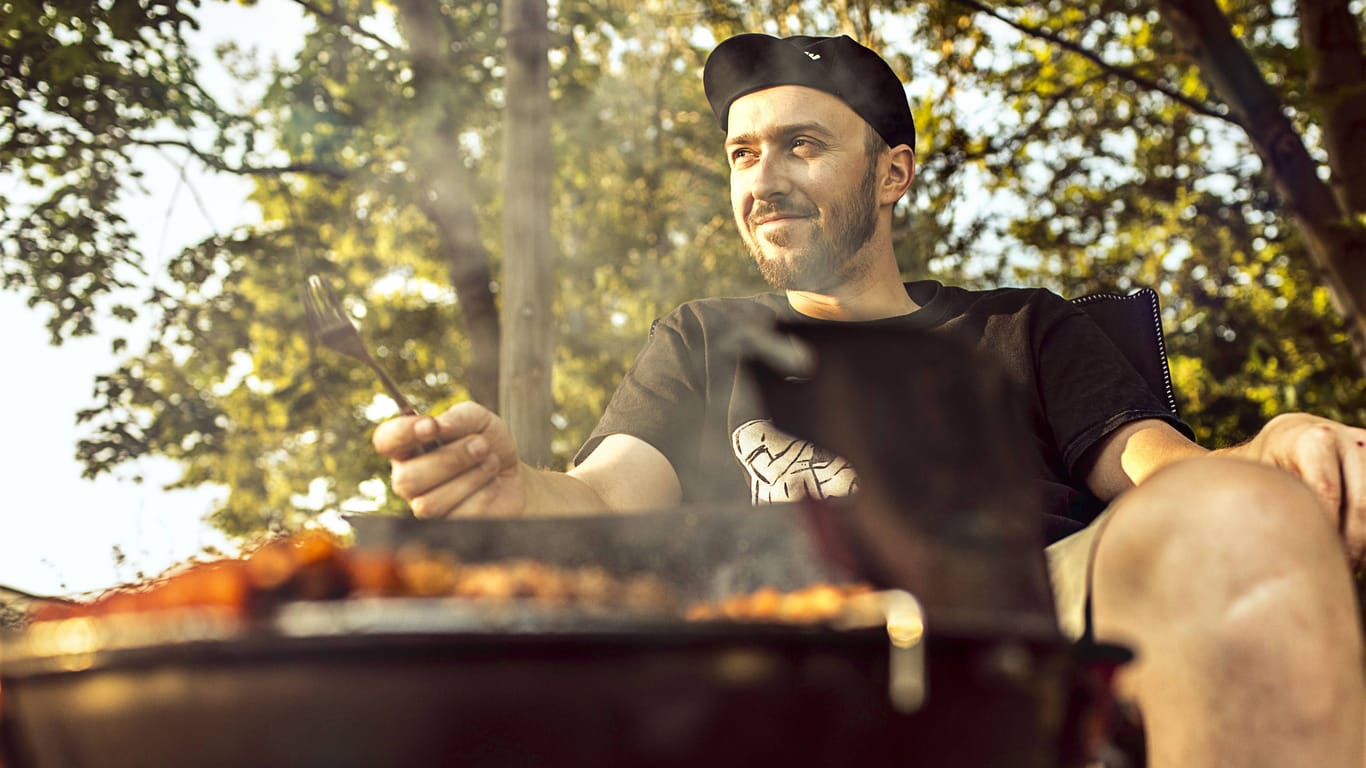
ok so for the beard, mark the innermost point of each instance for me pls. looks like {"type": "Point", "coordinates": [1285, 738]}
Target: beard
{"type": "Point", "coordinates": [829, 257]}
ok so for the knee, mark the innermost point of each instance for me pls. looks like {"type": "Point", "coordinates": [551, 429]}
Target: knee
{"type": "Point", "coordinates": [1204, 536]}
{"type": "Point", "coordinates": [1226, 512]}
{"type": "Point", "coordinates": [1226, 573]}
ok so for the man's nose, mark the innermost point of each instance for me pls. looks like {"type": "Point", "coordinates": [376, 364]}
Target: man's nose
{"type": "Point", "coordinates": [771, 179]}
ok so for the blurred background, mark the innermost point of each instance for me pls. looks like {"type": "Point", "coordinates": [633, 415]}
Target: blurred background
{"type": "Point", "coordinates": [171, 170]}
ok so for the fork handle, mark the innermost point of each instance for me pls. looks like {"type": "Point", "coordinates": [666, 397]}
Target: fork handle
{"type": "Point", "coordinates": [405, 406]}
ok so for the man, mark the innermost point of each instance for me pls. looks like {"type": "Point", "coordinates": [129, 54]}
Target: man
{"type": "Point", "coordinates": [1224, 570]}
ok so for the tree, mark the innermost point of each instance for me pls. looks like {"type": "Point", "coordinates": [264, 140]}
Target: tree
{"type": "Point", "coordinates": [229, 383]}
{"type": "Point", "coordinates": [83, 86]}
{"type": "Point", "coordinates": [1118, 166]}
{"type": "Point", "coordinates": [1332, 219]}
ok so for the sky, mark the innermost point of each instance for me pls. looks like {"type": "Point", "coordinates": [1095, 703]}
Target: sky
{"type": "Point", "coordinates": [64, 535]}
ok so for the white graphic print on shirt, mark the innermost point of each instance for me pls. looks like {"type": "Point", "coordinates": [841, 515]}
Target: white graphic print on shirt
{"type": "Point", "coordinates": [785, 468]}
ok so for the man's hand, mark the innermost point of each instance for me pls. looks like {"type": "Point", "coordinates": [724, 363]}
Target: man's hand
{"type": "Point", "coordinates": [475, 471]}
{"type": "Point", "coordinates": [1329, 457]}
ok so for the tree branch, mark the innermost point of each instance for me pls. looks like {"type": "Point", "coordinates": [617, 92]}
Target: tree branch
{"type": "Point", "coordinates": [1199, 107]}
{"type": "Point", "coordinates": [345, 23]}
{"type": "Point", "coordinates": [1331, 35]}
{"type": "Point", "coordinates": [317, 169]}
{"type": "Point", "coordinates": [1335, 242]}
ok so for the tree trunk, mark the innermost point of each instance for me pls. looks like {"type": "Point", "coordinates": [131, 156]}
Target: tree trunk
{"type": "Point", "coordinates": [1331, 36]}
{"type": "Point", "coordinates": [524, 392]}
{"type": "Point", "coordinates": [467, 264]}
{"type": "Point", "coordinates": [442, 185]}
{"type": "Point", "coordinates": [1336, 241]}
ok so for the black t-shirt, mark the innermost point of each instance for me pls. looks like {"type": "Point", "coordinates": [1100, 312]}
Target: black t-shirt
{"type": "Point", "coordinates": [688, 396]}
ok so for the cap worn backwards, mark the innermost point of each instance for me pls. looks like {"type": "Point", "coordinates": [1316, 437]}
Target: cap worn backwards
{"type": "Point", "coordinates": [837, 65]}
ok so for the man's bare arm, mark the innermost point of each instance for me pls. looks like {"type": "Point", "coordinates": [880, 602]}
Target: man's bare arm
{"type": "Point", "coordinates": [626, 474]}
{"type": "Point", "coordinates": [1132, 453]}
{"type": "Point", "coordinates": [1329, 457]}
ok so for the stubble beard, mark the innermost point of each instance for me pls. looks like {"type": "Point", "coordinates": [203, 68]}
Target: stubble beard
{"type": "Point", "coordinates": [830, 257]}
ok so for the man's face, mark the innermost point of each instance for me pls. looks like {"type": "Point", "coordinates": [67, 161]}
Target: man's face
{"type": "Point", "coordinates": [802, 186]}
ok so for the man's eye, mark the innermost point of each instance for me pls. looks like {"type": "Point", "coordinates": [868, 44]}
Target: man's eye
{"type": "Point", "coordinates": [738, 155]}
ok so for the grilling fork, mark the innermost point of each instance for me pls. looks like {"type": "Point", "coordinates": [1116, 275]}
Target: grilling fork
{"type": "Point", "coordinates": [333, 327]}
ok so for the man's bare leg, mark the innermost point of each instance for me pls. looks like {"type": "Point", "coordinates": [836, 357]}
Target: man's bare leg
{"type": "Point", "coordinates": [1228, 580]}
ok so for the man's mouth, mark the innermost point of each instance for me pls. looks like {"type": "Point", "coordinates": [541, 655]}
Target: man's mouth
{"type": "Point", "coordinates": [775, 217]}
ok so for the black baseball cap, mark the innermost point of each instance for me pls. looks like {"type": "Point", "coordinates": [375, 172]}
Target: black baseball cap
{"type": "Point", "coordinates": [837, 65]}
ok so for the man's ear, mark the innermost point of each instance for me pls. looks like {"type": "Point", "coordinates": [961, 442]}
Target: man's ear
{"type": "Point", "coordinates": [900, 174]}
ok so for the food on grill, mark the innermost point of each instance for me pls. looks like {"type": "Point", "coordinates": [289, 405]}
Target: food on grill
{"type": "Point", "coordinates": [314, 566]}
{"type": "Point", "coordinates": [816, 603]}
{"type": "Point", "coordinates": [424, 573]}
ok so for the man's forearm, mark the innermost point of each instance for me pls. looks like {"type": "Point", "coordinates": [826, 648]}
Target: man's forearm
{"type": "Point", "coordinates": [555, 493]}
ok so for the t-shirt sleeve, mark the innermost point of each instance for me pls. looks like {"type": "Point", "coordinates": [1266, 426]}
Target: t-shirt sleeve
{"type": "Point", "coordinates": [660, 396]}
{"type": "Point", "coordinates": [1088, 387]}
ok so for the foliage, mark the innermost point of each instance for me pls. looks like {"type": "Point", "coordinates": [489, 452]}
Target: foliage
{"type": "Point", "coordinates": [77, 82]}
{"type": "Point", "coordinates": [1122, 169]}
{"type": "Point", "coordinates": [1062, 144]}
